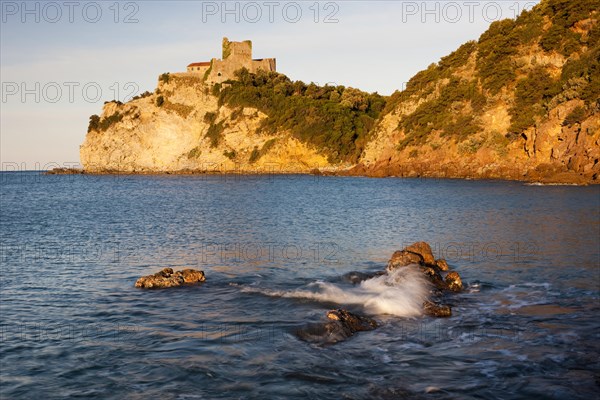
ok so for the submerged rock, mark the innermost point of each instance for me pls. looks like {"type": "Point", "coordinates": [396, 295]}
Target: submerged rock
{"type": "Point", "coordinates": [352, 322]}
{"type": "Point", "coordinates": [356, 277]}
{"type": "Point", "coordinates": [342, 324]}
{"type": "Point", "coordinates": [436, 310]}
{"type": "Point", "coordinates": [167, 278]}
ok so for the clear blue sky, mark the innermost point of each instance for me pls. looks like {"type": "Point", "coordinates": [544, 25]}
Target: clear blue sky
{"type": "Point", "coordinates": [61, 60]}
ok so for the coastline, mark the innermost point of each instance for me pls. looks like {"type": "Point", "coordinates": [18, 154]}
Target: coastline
{"type": "Point", "coordinates": [532, 177]}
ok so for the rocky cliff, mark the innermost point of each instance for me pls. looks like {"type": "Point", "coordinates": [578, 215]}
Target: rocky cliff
{"type": "Point", "coordinates": [522, 102]}
{"type": "Point", "coordinates": [181, 127]}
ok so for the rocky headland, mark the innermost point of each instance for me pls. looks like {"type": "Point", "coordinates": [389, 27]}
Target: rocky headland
{"type": "Point", "coordinates": [520, 103]}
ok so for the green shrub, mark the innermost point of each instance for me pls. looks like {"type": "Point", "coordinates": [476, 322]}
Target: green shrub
{"type": "Point", "coordinates": [438, 114]}
{"type": "Point", "coordinates": [335, 119]}
{"type": "Point", "coordinates": [531, 95]}
{"type": "Point", "coordinates": [164, 77]}
{"type": "Point", "coordinates": [182, 110]}
{"type": "Point", "coordinates": [255, 155]}
{"type": "Point", "coordinates": [94, 123]}
{"type": "Point", "coordinates": [216, 89]}
{"type": "Point", "coordinates": [459, 57]}
{"type": "Point", "coordinates": [207, 72]}
{"type": "Point", "coordinates": [142, 95]}
{"type": "Point", "coordinates": [575, 117]}
{"type": "Point", "coordinates": [496, 47]}
{"type": "Point", "coordinates": [102, 124]}
{"type": "Point", "coordinates": [160, 101]}
{"type": "Point", "coordinates": [470, 146]}
{"type": "Point", "coordinates": [194, 153]}
{"type": "Point", "coordinates": [215, 134]}
{"type": "Point", "coordinates": [210, 117]}
{"type": "Point", "coordinates": [107, 122]}
{"type": "Point", "coordinates": [499, 143]}
{"type": "Point", "coordinates": [230, 154]}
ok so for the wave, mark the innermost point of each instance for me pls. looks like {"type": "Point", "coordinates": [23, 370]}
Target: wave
{"type": "Point", "coordinates": [400, 292]}
{"type": "Point", "coordinates": [551, 184]}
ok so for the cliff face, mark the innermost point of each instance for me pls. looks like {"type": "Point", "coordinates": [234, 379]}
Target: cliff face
{"type": "Point", "coordinates": [520, 103]}
{"type": "Point", "coordinates": [181, 127]}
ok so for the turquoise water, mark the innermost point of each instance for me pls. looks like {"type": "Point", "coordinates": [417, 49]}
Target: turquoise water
{"type": "Point", "coordinates": [275, 250]}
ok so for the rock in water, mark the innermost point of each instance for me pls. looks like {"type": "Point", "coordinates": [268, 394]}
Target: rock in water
{"type": "Point", "coordinates": [192, 275]}
{"type": "Point", "coordinates": [424, 250]}
{"type": "Point", "coordinates": [436, 310]}
{"type": "Point", "coordinates": [434, 276]}
{"type": "Point", "coordinates": [442, 264]}
{"type": "Point", "coordinates": [420, 253]}
{"type": "Point", "coordinates": [356, 277]}
{"type": "Point", "coordinates": [402, 258]}
{"type": "Point", "coordinates": [167, 278]}
{"type": "Point", "coordinates": [454, 282]}
{"type": "Point", "coordinates": [352, 322]}
{"type": "Point", "coordinates": [341, 325]}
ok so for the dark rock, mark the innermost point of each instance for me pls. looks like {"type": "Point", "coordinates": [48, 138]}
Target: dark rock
{"type": "Point", "coordinates": [341, 325]}
{"type": "Point", "coordinates": [65, 171]}
{"type": "Point", "coordinates": [167, 278]}
{"type": "Point", "coordinates": [356, 277]}
{"type": "Point", "coordinates": [442, 264]}
{"type": "Point", "coordinates": [454, 282]}
{"type": "Point", "coordinates": [352, 322]}
{"type": "Point", "coordinates": [322, 333]}
{"type": "Point", "coordinates": [402, 258]}
{"type": "Point", "coordinates": [424, 250]}
{"type": "Point", "coordinates": [433, 274]}
{"type": "Point", "coordinates": [437, 310]}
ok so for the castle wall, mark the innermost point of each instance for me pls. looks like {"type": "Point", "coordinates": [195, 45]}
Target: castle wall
{"type": "Point", "coordinates": [266, 64]}
{"type": "Point", "coordinates": [236, 55]}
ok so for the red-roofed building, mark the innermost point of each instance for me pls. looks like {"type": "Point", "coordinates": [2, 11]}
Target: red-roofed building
{"type": "Point", "coordinates": [199, 67]}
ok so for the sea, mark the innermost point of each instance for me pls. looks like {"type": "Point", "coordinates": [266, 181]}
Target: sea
{"type": "Point", "coordinates": [278, 251]}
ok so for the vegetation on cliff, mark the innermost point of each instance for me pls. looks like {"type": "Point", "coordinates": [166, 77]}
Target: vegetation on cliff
{"type": "Point", "coordinates": [518, 96]}
{"type": "Point", "coordinates": [458, 93]}
{"type": "Point", "coordinates": [335, 119]}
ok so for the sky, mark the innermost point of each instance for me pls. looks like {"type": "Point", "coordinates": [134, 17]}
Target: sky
{"type": "Point", "coordinates": [61, 60]}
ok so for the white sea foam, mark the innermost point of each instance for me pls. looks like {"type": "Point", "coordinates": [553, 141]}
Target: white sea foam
{"type": "Point", "coordinates": [401, 292]}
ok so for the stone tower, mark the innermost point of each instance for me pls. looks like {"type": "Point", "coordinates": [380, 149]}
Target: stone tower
{"type": "Point", "coordinates": [235, 55]}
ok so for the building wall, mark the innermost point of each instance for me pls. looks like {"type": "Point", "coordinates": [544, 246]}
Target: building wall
{"type": "Point", "coordinates": [235, 55]}
{"type": "Point", "coordinates": [198, 70]}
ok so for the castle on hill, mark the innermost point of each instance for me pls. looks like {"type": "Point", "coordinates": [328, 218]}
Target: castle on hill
{"type": "Point", "coordinates": [236, 55]}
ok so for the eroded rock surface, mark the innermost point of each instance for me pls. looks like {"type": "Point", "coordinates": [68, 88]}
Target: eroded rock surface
{"type": "Point", "coordinates": [403, 258]}
{"type": "Point", "coordinates": [167, 278]}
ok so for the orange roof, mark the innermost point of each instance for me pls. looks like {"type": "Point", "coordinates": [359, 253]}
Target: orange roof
{"type": "Point", "coordinates": [200, 64]}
